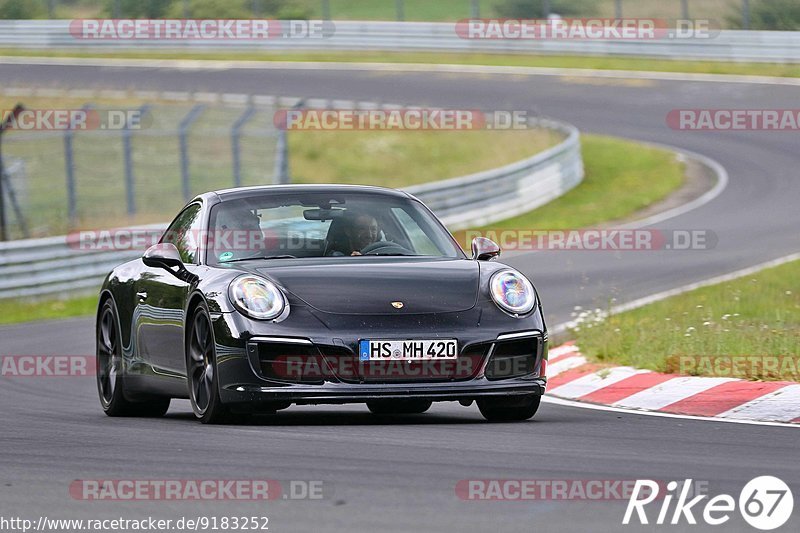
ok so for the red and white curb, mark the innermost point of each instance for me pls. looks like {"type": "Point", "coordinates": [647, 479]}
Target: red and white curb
{"type": "Point", "coordinates": [570, 376]}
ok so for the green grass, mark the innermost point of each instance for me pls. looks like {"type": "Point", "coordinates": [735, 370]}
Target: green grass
{"type": "Point", "coordinates": [403, 158]}
{"type": "Point", "coordinates": [512, 60]}
{"type": "Point", "coordinates": [13, 311]}
{"type": "Point", "coordinates": [99, 163]}
{"type": "Point", "coordinates": [618, 172]}
{"type": "Point", "coordinates": [757, 315]}
{"type": "Point", "coordinates": [451, 10]}
{"type": "Point", "coordinates": [622, 177]}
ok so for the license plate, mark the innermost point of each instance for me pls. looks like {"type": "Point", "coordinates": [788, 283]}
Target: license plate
{"type": "Point", "coordinates": [374, 350]}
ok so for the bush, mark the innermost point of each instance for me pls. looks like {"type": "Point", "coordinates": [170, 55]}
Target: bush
{"type": "Point", "coordinates": [770, 15]}
{"type": "Point", "coordinates": [22, 9]}
{"type": "Point", "coordinates": [535, 8]}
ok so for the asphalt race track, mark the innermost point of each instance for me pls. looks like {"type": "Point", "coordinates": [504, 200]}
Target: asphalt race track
{"type": "Point", "coordinates": [401, 474]}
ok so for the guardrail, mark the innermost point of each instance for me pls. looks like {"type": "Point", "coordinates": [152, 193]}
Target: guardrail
{"type": "Point", "coordinates": [56, 265]}
{"type": "Point", "coordinates": [727, 45]}
{"type": "Point", "coordinates": [504, 192]}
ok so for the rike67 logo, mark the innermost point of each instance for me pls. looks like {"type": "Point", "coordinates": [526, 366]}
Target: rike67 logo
{"type": "Point", "coordinates": [765, 503]}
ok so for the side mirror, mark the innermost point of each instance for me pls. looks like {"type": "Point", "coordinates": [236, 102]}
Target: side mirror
{"type": "Point", "coordinates": [164, 255]}
{"type": "Point", "coordinates": [484, 249]}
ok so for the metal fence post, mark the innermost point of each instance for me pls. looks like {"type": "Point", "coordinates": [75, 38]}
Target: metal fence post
{"type": "Point", "coordinates": [69, 163]}
{"type": "Point", "coordinates": [400, 7]}
{"type": "Point", "coordinates": [546, 8]}
{"type": "Point", "coordinates": [326, 10]}
{"type": "Point", "coordinates": [618, 9]}
{"type": "Point", "coordinates": [475, 12]}
{"type": "Point", "coordinates": [12, 199]}
{"type": "Point", "coordinates": [7, 122]}
{"type": "Point", "coordinates": [236, 133]}
{"type": "Point", "coordinates": [127, 135]}
{"type": "Point", "coordinates": [685, 9]}
{"type": "Point", "coordinates": [183, 136]}
{"type": "Point", "coordinates": [281, 174]}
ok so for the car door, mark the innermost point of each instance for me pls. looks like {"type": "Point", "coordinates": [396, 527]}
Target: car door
{"type": "Point", "coordinates": [161, 298]}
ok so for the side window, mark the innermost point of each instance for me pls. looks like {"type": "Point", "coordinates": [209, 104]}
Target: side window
{"type": "Point", "coordinates": [419, 239]}
{"type": "Point", "coordinates": [184, 233]}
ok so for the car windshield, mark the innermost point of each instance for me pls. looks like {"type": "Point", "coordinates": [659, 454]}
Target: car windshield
{"type": "Point", "coordinates": [318, 225]}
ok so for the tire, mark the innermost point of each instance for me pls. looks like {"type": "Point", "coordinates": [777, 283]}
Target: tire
{"type": "Point", "coordinates": [509, 409]}
{"type": "Point", "coordinates": [399, 407]}
{"type": "Point", "coordinates": [110, 370]}
{"type": "Point", "coordinates": [201, 371]}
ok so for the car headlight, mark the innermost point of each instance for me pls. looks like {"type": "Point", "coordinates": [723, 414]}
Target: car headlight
{"type": "Point", "coordinates": [257, 297]}
{"type": "Point", "coordinates": [512, 292]}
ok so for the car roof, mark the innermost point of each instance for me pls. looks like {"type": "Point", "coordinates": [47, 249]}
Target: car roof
{"type": "Point", "coordinates": [247, 192]}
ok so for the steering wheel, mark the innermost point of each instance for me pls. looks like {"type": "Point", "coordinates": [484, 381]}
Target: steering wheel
{"type": "Point", "coordinates": [385, 247]}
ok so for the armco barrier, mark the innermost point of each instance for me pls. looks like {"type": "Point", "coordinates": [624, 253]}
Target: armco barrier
{"type": "Point", "coordinates": [507, 191]}
{"type": "Point", "coordinates": [34, 267]}
{"type": "Point", "coordinates": [727, 45]}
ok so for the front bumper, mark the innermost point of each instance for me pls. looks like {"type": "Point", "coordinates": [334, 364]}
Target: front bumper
{"type": "Point", "coordinates": [339, 393]}
{"type": "Point", "coordinates": [252, 372]}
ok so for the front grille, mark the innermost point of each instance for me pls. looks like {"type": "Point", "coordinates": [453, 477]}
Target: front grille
{"type": "Point", "coordinates": [294, 363]}
{"type": "Point", "coordinates": [291, 362]}
{"type": "Point", "coordinates": [513, 358]}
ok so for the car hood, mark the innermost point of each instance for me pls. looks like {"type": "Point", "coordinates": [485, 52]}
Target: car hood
{"type": "Point", "coordinates": [368, 286]}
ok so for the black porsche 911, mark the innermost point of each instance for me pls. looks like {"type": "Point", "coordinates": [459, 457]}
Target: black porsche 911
{"type": "Point", "coordinates": [262, 297]}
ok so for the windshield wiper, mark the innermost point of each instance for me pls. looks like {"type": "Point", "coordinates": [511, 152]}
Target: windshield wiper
{"type": "Point", "coordinates": [262, 258]}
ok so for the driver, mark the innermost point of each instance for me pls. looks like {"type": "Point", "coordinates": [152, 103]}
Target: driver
{"type": "Point", "coordinates": [362, 232]}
